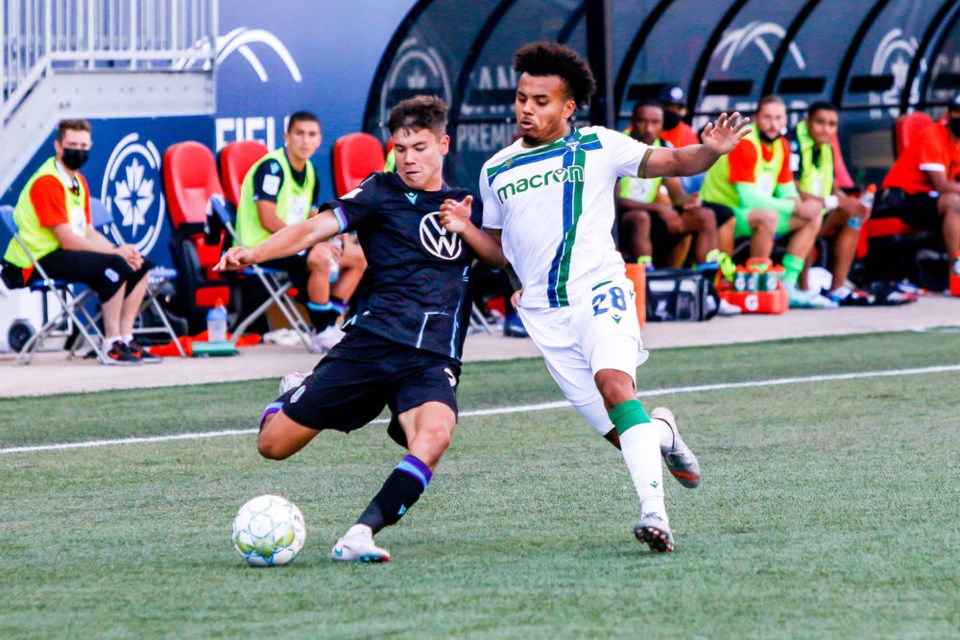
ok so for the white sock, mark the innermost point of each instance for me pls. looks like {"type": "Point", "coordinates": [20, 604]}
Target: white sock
{"type": "Point", "coordinates": [128, 338]}
{"type": "Point", "coordinates": [110, 341]}
{"type": "Point", "coordinates": [360, 530]}
{"type": "Point", "coordinates": [640, 446]}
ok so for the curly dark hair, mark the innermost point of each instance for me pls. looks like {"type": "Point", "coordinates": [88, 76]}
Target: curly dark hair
{"type": "Point", "coordinates": [547, 58]}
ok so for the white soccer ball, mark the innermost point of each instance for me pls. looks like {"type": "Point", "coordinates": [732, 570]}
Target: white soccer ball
{"type": "Point", "coordinates": [269, 531]}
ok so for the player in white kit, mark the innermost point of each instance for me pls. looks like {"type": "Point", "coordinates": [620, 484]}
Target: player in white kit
{"type": "Point", "coordinates": [548, 210]}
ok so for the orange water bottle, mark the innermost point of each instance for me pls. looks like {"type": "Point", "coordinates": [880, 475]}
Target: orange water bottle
{"type": "Point", "coordinates": [955, 275]}
{"type": "Point", "coordinates": [637, 273]}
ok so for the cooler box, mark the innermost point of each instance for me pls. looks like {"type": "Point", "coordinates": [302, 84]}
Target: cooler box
{"type": "Point", "coordinates": [757, 288]}
{"type": "Point", "coordinates": [773, 302]}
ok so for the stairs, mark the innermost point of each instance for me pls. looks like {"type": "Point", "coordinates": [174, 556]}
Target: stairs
{"type": "Point", "coordinates": [98, 94]}
{"type": "Point", "coordinates": [97, 59]}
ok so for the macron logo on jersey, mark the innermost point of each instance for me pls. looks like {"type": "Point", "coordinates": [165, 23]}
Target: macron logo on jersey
{"type": "Point", "coordinates": [559, 176]}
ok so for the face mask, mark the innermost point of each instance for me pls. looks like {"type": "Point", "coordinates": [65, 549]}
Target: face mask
{"type": "Point", "coordinates": [73, 159]}
{"type": "Point", "coordinates": [670, 119]}
{"type": "Point", "coordinates": [765, 139]}
{"type": "Point", "coordinates": [954, 126]}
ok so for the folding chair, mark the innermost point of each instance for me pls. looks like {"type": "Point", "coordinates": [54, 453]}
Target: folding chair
{"type": "Point", "coordinates": [73, 312]}
{"type": "Point", "coordinates": [274, 281]}
{"type": "Point", "coordinates": [478, 322]}
{"type": "Point", "coordinates": [101, 217]}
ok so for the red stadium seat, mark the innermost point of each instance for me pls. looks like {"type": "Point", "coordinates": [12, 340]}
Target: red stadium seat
{"type": "Point", "coordinates": [842, 175]}
{"type": "Point", "coordinates": [355, 156]}
{"type": "Point", "coordinates": [235, 161]}
{"type": "Point", "coordinates": [908, 126]}
{"type": "Point", "coordinates": [189, 180]}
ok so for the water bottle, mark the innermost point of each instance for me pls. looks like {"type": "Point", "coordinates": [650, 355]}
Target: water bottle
{"type": "Point", "coordinates": [217, 323]}
{"type": "Point", "coordinates": [866, 199]}
{"type": "Point", "coordinates": [334, 263]}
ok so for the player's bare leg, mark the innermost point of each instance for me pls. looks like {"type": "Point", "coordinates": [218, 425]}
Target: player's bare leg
{"type": "Point", "coordinates": [428, 428]}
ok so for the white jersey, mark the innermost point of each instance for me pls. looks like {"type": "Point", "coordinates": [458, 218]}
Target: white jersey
{"type": "Point", "coordinates": [555, 207]}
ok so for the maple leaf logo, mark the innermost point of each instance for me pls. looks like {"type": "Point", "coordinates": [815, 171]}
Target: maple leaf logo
{"type": "Point", "coordinates": [134, 196]}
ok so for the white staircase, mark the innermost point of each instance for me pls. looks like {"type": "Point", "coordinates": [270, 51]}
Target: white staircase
{"type": "Point", "coordinates": [99, 59]}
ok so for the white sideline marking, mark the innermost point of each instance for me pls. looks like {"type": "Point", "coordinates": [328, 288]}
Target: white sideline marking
{"type": "Point", "coordinates": [545, 406]}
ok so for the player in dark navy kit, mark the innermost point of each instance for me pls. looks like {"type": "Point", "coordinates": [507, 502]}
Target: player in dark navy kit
{"type": "Point", "coordinates": [403, 344]}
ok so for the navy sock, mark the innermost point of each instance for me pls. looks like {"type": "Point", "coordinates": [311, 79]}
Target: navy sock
{"type": "Point", "coordinates": [401, 491]}
{"type": "Point", "coordinates": [323, 315]}
{"type": "Point", "coordinates": [272, 408]}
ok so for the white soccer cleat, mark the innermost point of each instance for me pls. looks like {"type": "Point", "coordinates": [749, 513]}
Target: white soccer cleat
{"type": "Point", "coordinates": [292, 380]}
{"type": "Point", "coordinates": [357, 546]}
{"type": "Point", "coordinates": [679, 458]}
{"type": "Point", "coordinates": [328, 338]}
{"type": "Point", "coordinates": [654, 531]}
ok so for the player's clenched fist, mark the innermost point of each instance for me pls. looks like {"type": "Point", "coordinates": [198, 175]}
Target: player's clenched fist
{"type": "Point", "coordinates": [455, 215]}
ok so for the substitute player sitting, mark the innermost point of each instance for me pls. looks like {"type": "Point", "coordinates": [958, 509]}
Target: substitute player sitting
{"type": "Point", "coordinates": [282, 189]}
{"type": "Point", "coordinates": [403, 344]}
{"type": "Point", "coordinates": [756, 182]}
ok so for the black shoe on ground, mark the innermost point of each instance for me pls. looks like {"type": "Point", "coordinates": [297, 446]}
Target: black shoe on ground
{"type": "Point", "coordinates": [120, 354]}
{"type": "Point", "coordinates": [142, 354]}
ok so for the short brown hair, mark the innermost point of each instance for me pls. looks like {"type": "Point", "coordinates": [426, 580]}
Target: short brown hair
{"type": "Point", "coordinates": [419, 112]}
{"type": "Point", "coordinates": [71, 125]}
{"type": "Point", "coordinates": [770, 99]}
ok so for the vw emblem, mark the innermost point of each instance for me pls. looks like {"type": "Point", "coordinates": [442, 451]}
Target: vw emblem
{"type": "Point", "coordinates": [438, 241]}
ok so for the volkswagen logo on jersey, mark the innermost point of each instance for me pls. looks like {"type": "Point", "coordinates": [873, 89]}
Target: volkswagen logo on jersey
{"type": "Point", "coordinates": [438, 241]}
{"type": "Point", "coordinates": [131, 193]}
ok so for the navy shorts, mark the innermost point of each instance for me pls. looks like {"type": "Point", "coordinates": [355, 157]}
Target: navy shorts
{"type": "Point", "coordinates": [105, 273]}
{"type": "Point", "coordinates": [365, 373]}
{"type": "Point", "coordinates": [920, 210]}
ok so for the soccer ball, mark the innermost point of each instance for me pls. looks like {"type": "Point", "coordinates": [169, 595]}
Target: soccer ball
{"type": "Point", "coordinates": [269, 531]}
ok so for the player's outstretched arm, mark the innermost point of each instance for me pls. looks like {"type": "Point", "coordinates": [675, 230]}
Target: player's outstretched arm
{"type": "Point", "coordinates": [288, 241]}
{"type": "Point", "coordinates": [718, 139]}
{"type": "Point", "coordinates": [455, 217]}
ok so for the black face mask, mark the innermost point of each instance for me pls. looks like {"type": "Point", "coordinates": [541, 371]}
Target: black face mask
{"type": "Point", "coordinates": [73, 159]}
{"type": "Point", "coordinates": [765, 139]}
{"type": "Point", "coordinates": [954, 124]}
{"type": "Point", "coordinates": [670, 119]}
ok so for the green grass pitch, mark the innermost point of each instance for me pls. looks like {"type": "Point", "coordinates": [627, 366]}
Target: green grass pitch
{"type": "Point", "coordinates": [827, 509]}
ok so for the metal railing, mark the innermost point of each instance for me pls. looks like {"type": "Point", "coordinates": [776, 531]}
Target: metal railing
{"type": "Point", "coordinates": [41, 37]}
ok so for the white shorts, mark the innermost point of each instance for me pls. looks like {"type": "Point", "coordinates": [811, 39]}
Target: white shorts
{"type": "Point", "coordinates": [601, 332]}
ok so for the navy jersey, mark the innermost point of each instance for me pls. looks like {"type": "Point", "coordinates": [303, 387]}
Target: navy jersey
{"type": "Point", "coordinates": [415, 289]}
{"type": "Point", "coordinates": [267, 189]}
